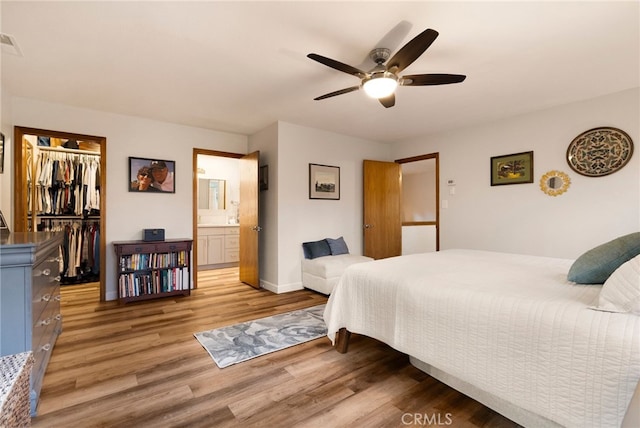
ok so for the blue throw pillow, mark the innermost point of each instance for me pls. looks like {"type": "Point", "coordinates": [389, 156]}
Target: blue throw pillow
{"type": "Point", "coordinates": [597, 264]}
{"type": "Point", "coordinates": [316, 249]}
{"type": "Point", "coordinates": [338, 246]}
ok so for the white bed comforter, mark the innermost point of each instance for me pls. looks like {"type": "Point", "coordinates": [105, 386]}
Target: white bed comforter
{"type": "Point", "coordinates": [509, 324]}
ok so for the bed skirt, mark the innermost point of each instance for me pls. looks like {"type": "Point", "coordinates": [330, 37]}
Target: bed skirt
{"type": "Point", "coordinates": [508, 410]}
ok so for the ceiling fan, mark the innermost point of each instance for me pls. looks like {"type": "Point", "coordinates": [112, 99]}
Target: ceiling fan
{"type": "Point", "coordinates": [383, 79]}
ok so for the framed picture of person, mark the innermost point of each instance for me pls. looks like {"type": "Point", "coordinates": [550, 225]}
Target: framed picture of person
{"type": "Point", "coordinates": [149, 175]}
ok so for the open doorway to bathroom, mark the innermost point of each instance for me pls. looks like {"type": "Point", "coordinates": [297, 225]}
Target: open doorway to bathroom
{"type": "Point", "coordinates": [217, 199]}
{"type": "Point", "coordinates": [226, 232]}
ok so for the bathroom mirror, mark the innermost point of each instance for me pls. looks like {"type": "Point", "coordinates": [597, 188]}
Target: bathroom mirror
{"type": "Point", "coordinates": [211, 194]}
{"type": "Point", "coordinates": [554, 183]}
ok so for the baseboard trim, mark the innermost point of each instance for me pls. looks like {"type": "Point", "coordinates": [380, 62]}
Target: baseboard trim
{"type": "Point", "coordinates": [279, 289]}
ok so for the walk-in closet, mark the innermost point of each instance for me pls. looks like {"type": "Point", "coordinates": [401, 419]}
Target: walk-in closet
{"type": "Point", "coordinates": [59, 186]}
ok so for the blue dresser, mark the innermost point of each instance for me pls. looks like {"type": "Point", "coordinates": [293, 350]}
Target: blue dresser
{"type": "Point", "coordinates": [30, 318]}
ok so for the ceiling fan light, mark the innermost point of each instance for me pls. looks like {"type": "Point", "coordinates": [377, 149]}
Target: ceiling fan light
{"type": "Point", "coordinates": [380, 86]}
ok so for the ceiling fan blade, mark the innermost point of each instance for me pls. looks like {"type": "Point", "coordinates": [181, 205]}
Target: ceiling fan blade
{"type": "Point", "coordinates": [392, 40]}
{"type": "Point", "coordinates": [431, 79]}
{"type": "Point", "coordinates": [411, 51]}
{"type": "Point", "coordinates": [337, 65]}
{"type": "Point", "coordinates": [389, 101]}
{"type": "Point", "coordinates": [340, 92]}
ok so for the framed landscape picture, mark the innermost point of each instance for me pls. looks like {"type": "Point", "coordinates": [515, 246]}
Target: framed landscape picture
{"type": "Point", "coordinates": [147, 175]}
{"type": "Point", "coordinates": [324, 181]}
{"type": "Point", "coordinates": [516, 168]}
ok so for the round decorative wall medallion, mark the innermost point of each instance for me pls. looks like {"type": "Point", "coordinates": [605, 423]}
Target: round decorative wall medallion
{"type": "Point", "coordinates": [599, 151]}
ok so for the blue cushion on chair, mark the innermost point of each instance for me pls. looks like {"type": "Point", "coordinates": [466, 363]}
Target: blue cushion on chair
{"type": "Point", "coordinates": [597, 264]}
{"type": "Point", "coordinates": [338, 246]}
{"type": "Point", "coordinates": [316, 249]}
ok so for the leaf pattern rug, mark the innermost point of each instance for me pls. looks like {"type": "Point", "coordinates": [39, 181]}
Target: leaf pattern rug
{"type": "Point", "coordinates": [241, 342]}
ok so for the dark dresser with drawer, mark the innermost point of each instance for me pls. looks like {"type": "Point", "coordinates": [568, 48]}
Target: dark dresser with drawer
{"type": "Point", "coordinates": [30, 318]}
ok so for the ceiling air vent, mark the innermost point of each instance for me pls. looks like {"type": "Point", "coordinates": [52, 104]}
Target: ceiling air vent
{"type": "Point", "coordinates": [9, 44]}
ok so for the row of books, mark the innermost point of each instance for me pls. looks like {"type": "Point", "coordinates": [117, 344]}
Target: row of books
{"type": "Point", "coordinates": [153, 260]}
{"type": "Point", "coordinates": [160, 281]}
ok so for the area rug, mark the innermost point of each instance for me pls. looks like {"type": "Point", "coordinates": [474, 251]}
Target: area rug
{"type": "Point", "coordinates": [241, 342]}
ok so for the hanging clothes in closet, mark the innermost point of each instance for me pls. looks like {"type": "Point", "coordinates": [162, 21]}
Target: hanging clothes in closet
{"type": "Point", "coordinates": [67, 184]}
{"type": "Point", "coordinates": [67, 199]}
{"type": "Point", "coordinates": [80, 250]}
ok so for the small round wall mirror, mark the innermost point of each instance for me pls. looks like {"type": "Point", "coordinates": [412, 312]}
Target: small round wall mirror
{"type": "Point", "coordinates": [554, 183]}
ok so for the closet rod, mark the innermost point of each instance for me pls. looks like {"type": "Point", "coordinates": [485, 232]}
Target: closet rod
{"type": "Point", "coordinates": [66, 217]}
{"type": "Point", "coordinates": [64, 150]}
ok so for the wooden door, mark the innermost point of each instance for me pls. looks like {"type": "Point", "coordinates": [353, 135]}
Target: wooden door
{"type": "Point", "coordinates": [23, 166]}
{"type": "Point", "coordinates": [249, 228]}
{"type": "Point", "coordinates": [382, 209]}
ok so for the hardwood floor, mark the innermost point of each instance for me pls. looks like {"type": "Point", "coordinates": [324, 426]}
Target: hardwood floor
{"type": "Point", "coordinates": [138, 365]}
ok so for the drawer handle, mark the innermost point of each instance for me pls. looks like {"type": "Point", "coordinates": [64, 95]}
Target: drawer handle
{"type": "Point", "coordinates": [45, 298]}
{"type": "Point", "coordinates": [46, 348]}
{"type": "Point", "coordinates": [58, 298]}
{"type": "Point", "coordinates": [58, 317]}
{"type": "Point", "coordinates": [45, 322]}
{"type": "Point", "coordinates": [46, 272]}
{"type": "Point", "coordinates": [55, 259]}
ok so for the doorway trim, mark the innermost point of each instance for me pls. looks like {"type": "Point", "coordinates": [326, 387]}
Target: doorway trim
{"type": "Point", "coordinates": [435, 156]}
{"type": "Point", "coordinates": [194, 200]}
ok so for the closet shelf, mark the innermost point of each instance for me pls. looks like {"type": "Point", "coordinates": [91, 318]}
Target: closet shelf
{"type": "Point", "coordinates": [63, 150]}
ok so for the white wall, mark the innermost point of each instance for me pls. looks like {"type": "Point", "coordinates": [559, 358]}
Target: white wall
{"type": "Point", "coordinates": [128, 213]}
{"type": "Point", "coordinates": [301, 219]}
{"type": "Point", "coordinates": [266, 142]}
{"type": "Point", "coordinates": [6, 181]}
{"type": "Point", "coordinates": [521, 218]}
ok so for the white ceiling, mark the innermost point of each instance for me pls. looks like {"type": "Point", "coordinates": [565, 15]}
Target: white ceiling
{"type": "Point", "coordinates": [241, 66]}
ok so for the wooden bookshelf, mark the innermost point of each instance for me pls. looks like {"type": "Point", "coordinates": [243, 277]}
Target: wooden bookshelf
{"type": "Point", "coordinates": [151, 270]}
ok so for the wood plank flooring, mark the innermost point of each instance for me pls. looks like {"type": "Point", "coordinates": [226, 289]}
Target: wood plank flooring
{"type": "Point", "coordinates": [138, 365]}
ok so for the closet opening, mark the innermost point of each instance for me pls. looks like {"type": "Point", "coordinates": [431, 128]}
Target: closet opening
{"type": "Point", "coordinates": [420, 203]}
{"type": "Point", "coordinates": [60, 185]}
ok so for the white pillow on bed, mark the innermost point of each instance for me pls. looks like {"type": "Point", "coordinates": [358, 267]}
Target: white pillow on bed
{"type": "Point", "coordinates": [621, 291]}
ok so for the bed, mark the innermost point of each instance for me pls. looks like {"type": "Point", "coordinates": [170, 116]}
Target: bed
{"type": "Point", "coordinates": [509, 330]}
